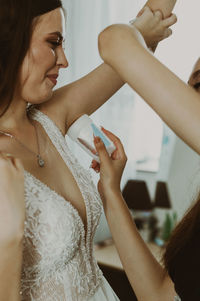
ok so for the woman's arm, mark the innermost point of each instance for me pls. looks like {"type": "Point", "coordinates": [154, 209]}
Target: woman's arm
{"type": "Point", "coordinates": [12, 216]}
{"type": "Point", "coordinates": [10, 268]}
{"type": "Point", "coordinates": [177, 104]}
{"type": "Point", "coordinates": [147, 277]}
{"type": "Point", "coordinates": [87, 94]}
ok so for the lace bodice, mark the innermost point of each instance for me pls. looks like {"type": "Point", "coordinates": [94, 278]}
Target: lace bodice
{"type": "Point", "coordinates": [58, 261]}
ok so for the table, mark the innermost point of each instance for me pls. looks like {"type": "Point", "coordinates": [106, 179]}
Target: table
{"type": "Point", "coordinates": [107, 254]}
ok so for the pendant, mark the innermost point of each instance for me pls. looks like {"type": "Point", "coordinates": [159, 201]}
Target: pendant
{"type": "Point", "coordinates": [40, 161]}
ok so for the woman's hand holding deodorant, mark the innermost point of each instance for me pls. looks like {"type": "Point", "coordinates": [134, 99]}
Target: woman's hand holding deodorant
{"type": "Point", "coordinates": [83, 131]}
{"type": "Point", "coordinates": [111, 167]}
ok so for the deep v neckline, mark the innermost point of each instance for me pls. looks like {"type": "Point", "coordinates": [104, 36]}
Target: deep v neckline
{"type": "Point", "coordinates": [46, 123]}
{"type": "Point", "coordinates": [73, 208]}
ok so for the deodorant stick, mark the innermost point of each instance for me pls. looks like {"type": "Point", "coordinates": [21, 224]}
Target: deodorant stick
{"type": "Point", "coordinates": [83, 131]}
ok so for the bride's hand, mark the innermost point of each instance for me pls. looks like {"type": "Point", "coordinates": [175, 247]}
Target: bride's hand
{"type": "Point", "coordinates": [153, 27]}
{"type": "Point", "coordinates": [110, 168]}
{"type": "Point", "coordinates": [12, 204]}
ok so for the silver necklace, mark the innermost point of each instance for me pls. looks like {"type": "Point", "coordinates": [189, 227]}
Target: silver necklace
{"type": "Point", "coordinates": [40, 160]}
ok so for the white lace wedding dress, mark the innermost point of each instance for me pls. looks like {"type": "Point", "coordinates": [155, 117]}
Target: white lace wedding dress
{"type": "Point", "coordinates": [58, 259]}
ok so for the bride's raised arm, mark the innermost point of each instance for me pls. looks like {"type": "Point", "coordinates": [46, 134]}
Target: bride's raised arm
{"type": "Point", "coordinates": [87, 94]}
{"type": "Point", "coordinates": [123, 48]}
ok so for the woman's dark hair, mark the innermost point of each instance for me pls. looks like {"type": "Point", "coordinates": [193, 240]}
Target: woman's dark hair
{"type": "Point", "coordinates": [16, 22]}
{"type": "Point", "coordinates": [182, 252]}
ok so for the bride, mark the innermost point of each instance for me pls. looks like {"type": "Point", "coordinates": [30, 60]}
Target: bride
{"type": "Point", "coordinates": [62, 205]}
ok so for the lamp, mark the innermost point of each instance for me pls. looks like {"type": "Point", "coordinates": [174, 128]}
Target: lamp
{"type": "Point", "coordinates": [162, 199]}
{"type": "Point", "coordinates": [137, 196]}
{"type": "Point", "coordinates": [161, 204]}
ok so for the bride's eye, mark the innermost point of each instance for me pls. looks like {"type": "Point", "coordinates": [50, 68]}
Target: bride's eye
{"type": "Point", "coordinates": [197, 86]}
{"type": "Point", "coordinates": [55, 43]}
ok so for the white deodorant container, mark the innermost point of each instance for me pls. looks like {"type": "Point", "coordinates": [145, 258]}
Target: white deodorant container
{"type": "Point", "coordinates": [83, 131]}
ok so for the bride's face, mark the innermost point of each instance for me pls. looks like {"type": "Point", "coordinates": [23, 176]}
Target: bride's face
{"type": "Point", "coordinates": [44, 59]}
{"type": "Point", "coordinates": [194, 79]}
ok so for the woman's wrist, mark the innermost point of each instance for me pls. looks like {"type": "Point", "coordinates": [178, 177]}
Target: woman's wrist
{"type": "Point", "coordinates": [111, 194]}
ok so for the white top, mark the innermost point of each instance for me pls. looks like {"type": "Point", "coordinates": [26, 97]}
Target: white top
{"type": "Point", "coordinates": [58, 261]}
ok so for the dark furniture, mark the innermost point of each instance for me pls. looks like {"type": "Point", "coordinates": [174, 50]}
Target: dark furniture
{"type": "Point", "coordinates": [119, 282]}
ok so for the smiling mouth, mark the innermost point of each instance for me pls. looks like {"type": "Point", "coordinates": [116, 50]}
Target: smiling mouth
{"type": "Point", "coordinates": [53, 78]}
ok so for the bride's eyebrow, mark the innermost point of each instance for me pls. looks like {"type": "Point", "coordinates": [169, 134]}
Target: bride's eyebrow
{"type": "Point", "coordinates": [57, 34]}
{"type": "Point", "coordinates": [196, 74]}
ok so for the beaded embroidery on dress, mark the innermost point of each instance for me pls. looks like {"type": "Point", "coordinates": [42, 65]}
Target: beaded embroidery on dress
{"type": "Point", "coordinates": [58, 260]}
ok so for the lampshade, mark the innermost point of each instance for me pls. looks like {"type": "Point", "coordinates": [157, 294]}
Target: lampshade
{"type": "Point", "coordinates": [137, 196]}
{"type": "Point", "coordinates": [162, 199]}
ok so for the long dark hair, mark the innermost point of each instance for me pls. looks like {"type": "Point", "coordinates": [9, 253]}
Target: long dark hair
{"type": "Point", "coordinates": [17, 20]}
{"type": "Point", "coordinates": [182, 252]}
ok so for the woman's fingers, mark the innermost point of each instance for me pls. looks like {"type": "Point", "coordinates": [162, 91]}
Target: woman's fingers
{"type": "Point", "coordinates": [110, 135]}
{"type": "Point", "coordinates": [12, 161]}
{"type": "Point", "coordinates": [95, 165]}
{"type": "Point", "coordinates": [18, 164]}
{"type": "Point", "coordinates": [6, 158]}
{"type": "Point", "coordinates": [168, 33]}
{"type": "Point", "coordinates": [146, 10]}
{"type": "Point", "coordinates": [119, 152]}
{"type": "Point", "coordinates": [140, 12]}
{"type": "Point", "coordinates": [170, 21]}
{"type": "Point", "coordinates": [158, 14]}
{"type": "Point", "coordinates": [101, 149]}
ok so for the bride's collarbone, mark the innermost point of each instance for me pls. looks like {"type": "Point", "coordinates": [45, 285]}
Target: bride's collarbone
{"type": "Point", "coordinates": [18, 147]}
{"type": "Point", "coordinates": [55, 173]}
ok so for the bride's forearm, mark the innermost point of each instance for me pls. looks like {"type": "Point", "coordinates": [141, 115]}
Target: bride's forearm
{"type": "Point", "coordinates": [166, 6]}
{"type": "Point", "coordinates": [176, 103]}
{"type": "Point", "coordinates": [140, 265]}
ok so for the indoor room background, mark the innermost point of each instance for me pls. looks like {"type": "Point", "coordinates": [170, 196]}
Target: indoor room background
{"type": "Point", "coordinates": [154, 152]}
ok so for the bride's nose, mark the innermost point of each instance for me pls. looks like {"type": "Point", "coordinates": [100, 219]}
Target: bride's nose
{"type": "Point", "coordinates": [62, 61]}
